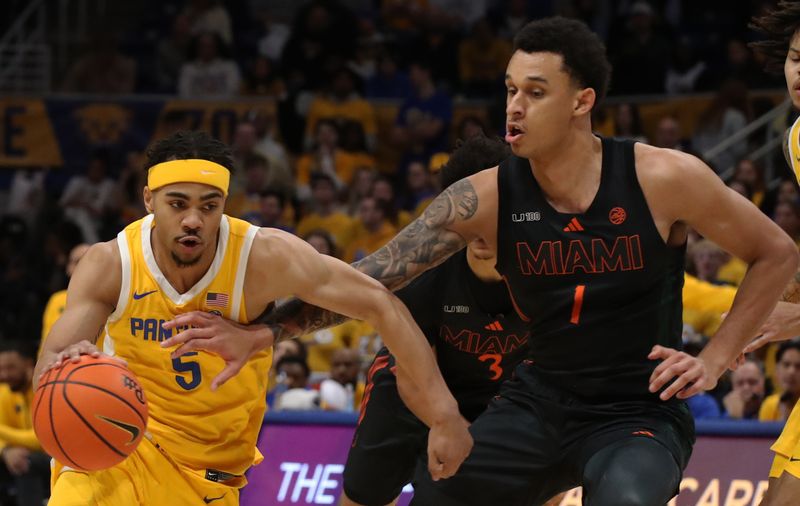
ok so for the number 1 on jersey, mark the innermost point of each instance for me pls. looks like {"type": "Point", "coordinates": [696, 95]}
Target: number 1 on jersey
{"type": "Point", "coordinates": [576, 305]}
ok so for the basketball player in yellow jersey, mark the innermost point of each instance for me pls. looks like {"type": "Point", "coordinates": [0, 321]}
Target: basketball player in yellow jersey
{"type": "Point", "coordinates": [781, 48]}
{"type": "Point", "coordinates": [187, 255]}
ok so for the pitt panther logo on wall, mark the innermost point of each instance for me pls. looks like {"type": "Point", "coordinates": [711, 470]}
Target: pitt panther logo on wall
{"type": "Point", "coordinates": [103, 123]}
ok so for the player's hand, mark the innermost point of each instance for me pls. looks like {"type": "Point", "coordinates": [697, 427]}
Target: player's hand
{"type": "Point", "coordinates": [782, 324]}
{"type": "Point", "coordinates": [73, 352]}
{"type": "Point", "coordinates": [737, 362]}
{"type": "Point", "coordinates": [449, 443]}
{"type": "Point", "coordinates": [16, 459]}
{"type": "Point", "coordinates": [690, 374]}
{"type": "Point", "coordinates": [233, 342]}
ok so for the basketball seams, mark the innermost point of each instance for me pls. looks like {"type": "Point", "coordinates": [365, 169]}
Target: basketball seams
{"type": "Point", "coordinates": [53, 426]}
{"type": "Point", "coordinates": [109, 392]}
{"type": "Point", "coordinates": [91, 427]}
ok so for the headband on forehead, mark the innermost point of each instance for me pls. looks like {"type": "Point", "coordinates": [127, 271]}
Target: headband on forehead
{"type": "Point", "coordinates": [189, 171]}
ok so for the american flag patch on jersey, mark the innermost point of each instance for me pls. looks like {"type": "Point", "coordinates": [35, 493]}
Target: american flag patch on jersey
{"type": "Point", "coordinates": [217, 299]}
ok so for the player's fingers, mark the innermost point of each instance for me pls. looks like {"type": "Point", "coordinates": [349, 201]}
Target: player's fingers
{"type": "Point", "coordinates": [667, 374]}
{"type": "Point", "coordinates": [196, 318]}
{"type": "Point", "coordinates": [757, 343]}
{"type": "Point", "coordinates": [190, 346]}
{"type": "Point", "coordinates": [690, 376]}
{"type": "Point", "coordinates": [186, 336]}
{"type": "Point", "coordinates": [230, 370]}
{"type": "Point", "coordinates": [661, 352]}
{"type": "Point", "coordinates": [692, 390]}
{"type": "Point", "coordinates": [664, 365]}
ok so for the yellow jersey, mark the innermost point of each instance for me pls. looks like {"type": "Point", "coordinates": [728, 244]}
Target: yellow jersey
{"type": "Point", "coordinates": [52, 312]}
{"type": "Point", "coordinates": [16, 425]}
{"type": "Point", "coordinates": [200, 429]}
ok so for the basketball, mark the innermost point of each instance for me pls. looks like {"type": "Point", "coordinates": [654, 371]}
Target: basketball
{"type": "Point", "coordinates": [90, 415]}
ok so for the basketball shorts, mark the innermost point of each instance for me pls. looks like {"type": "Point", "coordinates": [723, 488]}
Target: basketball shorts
{"type": "Point", "coordinates": [386, 444]}
{"type": "Point", "coordinates": [146, 478]}
{"type": "Point", "coordinates": [536, 440]}
{"type": "Point", "coordinates": [787, 447]}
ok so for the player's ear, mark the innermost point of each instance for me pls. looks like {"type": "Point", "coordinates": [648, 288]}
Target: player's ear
{"type": "Point", "coordinates": [147, 195]}
{"type": "Point", "coordinates": [584, 101]}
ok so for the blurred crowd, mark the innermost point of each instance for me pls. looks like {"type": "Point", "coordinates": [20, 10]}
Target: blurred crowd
{"type": "Point", "coordinates": [313, 168]}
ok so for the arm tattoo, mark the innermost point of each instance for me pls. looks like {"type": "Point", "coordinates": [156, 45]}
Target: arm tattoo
{"type": "Point", "coordinates": [422, 245]}
{"type": "Point", "coordinates": [792, 291]}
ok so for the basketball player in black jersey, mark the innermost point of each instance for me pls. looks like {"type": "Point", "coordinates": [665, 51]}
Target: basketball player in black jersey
{"type": "Point", "coordinates": [464, 308]}
{"type": "Point", "coordinates": [590, 236]}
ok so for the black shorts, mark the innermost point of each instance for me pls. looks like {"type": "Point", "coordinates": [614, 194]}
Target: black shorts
{"type": "Point", "coordinates": [534, 441]}
{"type": "Point", "coordinates": [386, 445]}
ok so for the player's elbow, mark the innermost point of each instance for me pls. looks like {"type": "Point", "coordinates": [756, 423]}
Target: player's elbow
{"type": "Point", "coordinates": [785, 253]}
{"type": "Point", "coordinates": [382, 307]}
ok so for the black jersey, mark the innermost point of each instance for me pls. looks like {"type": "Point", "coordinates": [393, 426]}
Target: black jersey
{"type": "Point", "coordinates": [599, 289]}
{"type": "Point", "coordinates": [478, 337]}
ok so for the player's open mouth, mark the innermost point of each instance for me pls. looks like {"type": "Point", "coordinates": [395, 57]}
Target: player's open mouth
{"type": "Point", "coordinates": [513, 133]}
{"type": "Point", "coordinates": [189, 243]}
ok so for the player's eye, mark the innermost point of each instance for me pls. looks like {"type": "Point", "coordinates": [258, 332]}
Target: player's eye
{"type": "Point", "coordinates": [177, 204]}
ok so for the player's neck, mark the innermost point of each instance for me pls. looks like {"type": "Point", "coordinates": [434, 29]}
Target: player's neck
{"type": "Point", "coordinates": [183, 278]}
{"type": "Point", "coordinates": [483, 269]}
{"type": "Point", "coordinates": [569, 174]}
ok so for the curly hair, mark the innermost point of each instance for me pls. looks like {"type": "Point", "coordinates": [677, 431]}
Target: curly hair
{"type": "Point", "coordinates": [472, 156]}
{"type": "Point", "coordinates": [583, 52]}
{"type": "Point", "coordinates": [777, 27]}
{"type": "Point", "coordinates": [187, 144]}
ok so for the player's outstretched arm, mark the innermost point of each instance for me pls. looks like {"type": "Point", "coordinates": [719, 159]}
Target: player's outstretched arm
{"type": "Point", "coordinates": [428, 241]}
{"type": "Point", "coordinates": [682, 190]}
{"type": "Point", "coordinates": [91, 297]}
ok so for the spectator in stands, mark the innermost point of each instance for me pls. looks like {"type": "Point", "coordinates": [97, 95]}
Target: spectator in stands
{"type": "Point", "coordinates": [210, 73]}
{"type": "Point", "coordinates": [343, 391]}
{"type": "Point", "coordinates": [323, 242]}
{"type": "Point", "coordinates": [26, 196]}
{"type": "Point", "coordinates": [470, 126]}
{"type": "Point", "coordinates": [728, 113]}
{"type": "Point", "coordinates": [102, 69]}
{"type": "Point", "coordinates": [271, 211]}
{"type": "Point", "coordinates": [686, 71]}
{"type": "Point", "coordinates": [130, 182]}
{"type": "Point", "coordinates": [787, 190]}
{"type": "Point", "coordinates": [373, 229]}
{"type": "Point", "coordinates": [741, 65]}
{"type": "Point", "coordinates": [457, 15]}
{"type": "Point", "coordinates": [778, 405]}
{"type": "Point", "coordinates": [740, 187]}
{"type": "Point", "coordinates": [639, 53]}
{"type": "Point", "coordinates": [327, 158]}
{"type": "Point", "coordinates": [245, 150]}
{"type": "Point", "coordinates": [353, 140]}
{"type": "Point", "coordinates": [171, 54]}
{"type": "Point", "coordinates": [787, 216]}
{"type": "Point", "coordinates": [513, 17]}
{"type": "Point", "coordinates": [669, 135]}
{"type": "Point", "coordinates": [423, 119]}
{"type": "Point", "coordinates": [752, 173]}
{"type": "Point", "coordinates": [326, 214]}
{"type": "Point", "coordinates": [247, 199]}
{"type": "Point", "coordinates": [747, 394]}
{"type": "Point", "coordinates": [389, 81]}
{"type": "Point", "coordinates": [628, 123]}
{"type": "Point", "coordinates": [419, 187]}
{"type": "Point", "coordinates": [704, 260]}
{"type": "Point", "coordinates": [291, 391]}
{"type": "Point", "coordinates": [482, 58]}
{"type": "Point", "coordinates": [209, 16]}
{"type": "Point", "coordinates": [264, 80]}
{"type": "Point", "coordinates": [57, 302]}
{"type": "Point", "coordinates": [88, 198]}
{"type": "Point", "coordinates": [27, 465]}
{"type": "Point", "coordinates": [359, 187]}
{"type": "Point", "coordinates": [340, 103]}
{"type": "Point", "coordinates": [266, 143]}
{"type": "Point", "coordinates": [273, 38]}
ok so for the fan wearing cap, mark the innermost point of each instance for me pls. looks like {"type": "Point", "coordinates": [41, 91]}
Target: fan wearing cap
{"type": "Point", "coordinates": [187, 256]}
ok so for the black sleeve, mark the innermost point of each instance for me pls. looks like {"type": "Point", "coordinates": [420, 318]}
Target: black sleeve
{"type": "Point", "coordinates": [422, 297]}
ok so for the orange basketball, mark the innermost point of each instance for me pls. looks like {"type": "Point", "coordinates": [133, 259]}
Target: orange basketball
{"type": "Point", "coordinates": [90, 415]}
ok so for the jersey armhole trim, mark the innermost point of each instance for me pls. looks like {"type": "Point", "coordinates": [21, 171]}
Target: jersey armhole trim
{"type": "Point", "coordinates": [125, 286]}
{"type": "Point", "coordinates": [241, 271]}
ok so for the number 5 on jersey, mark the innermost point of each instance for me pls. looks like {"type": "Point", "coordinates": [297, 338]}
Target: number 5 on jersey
{"type": "Point", "coordinates": [188, 366]}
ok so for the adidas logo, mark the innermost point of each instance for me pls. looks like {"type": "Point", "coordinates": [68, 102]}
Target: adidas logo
{"type": "Point", "coordinates": [495, 325]}
{"type": "Point", "coordinates": [573, 226]}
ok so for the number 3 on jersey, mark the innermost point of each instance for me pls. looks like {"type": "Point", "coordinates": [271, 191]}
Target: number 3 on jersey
{"type": "Point", "coordinates": [495, 368]}
{"type": "Point", "coordinates": [193, 368]}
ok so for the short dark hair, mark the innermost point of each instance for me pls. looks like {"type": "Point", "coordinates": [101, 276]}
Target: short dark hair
{"type": "Point", "coordinates": [777, 27]}
{"type": "Point", "coordinates": [25, 349]}
{"type": "Point", "coordinates": [255, 159]}
{"type": "Point", "coordinates": [317, 177]}
{"type": "Point", "coordinates": [472, 156]}
{"type": "Point", "coordinates": [583, 52]}
{"type": "Point", "coordinates": [294, 359]}
{"type": "Point", "coordinates": [273, 193]}
{"type": "Point", "coordinates": [786, 346]}
{"type": "Point", "coordinates": [187, 144]}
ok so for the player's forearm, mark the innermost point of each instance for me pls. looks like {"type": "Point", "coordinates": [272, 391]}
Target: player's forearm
{"type": "Point", "coordinates": [294, 318]}
{"type": "Point", "coordinates": [755, 299]}
{"type": "Point", "coordinates": [429, 398]}
{"type": "Point", "coordinates": [412, 396]}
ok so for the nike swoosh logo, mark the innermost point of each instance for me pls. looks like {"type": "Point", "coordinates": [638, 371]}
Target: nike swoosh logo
{"type": "Point", "coordinates": [209, 500]}
{"type": "Point", "coordinates": [137, 296]}
{"type": "Point", "coordinates": [207, 172]}
{"type": "Point", "coordinates": [130, 429]}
